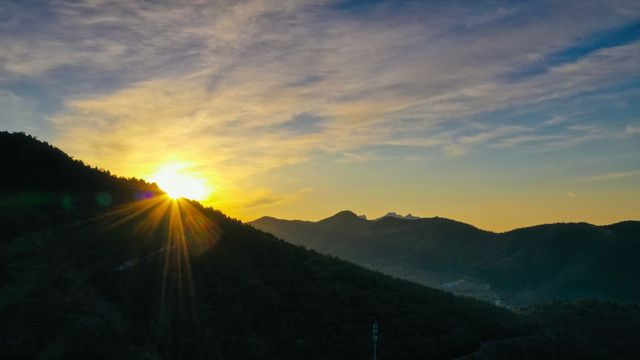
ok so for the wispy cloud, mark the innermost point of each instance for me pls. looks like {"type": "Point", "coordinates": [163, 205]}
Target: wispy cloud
{"type": "Point", "coordinates": [256, 85]}
{"type": "Point", "coordinates": [349, 157]}
{"type": "Point", "coordinates": [556, 120]}
{"type": "Point", "coordinates": [252, 200]}
{"type": "Point", "coordinates": [632, 130]}
{"type": "Point", "coordinates": [19, 110]}
{"type": "Point", "coordinates": [612, 176]}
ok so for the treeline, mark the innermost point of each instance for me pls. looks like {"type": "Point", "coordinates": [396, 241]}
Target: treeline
{"type": "Point", "coordinates": [30, 164]}
{"type": "Point", "coordinates": [524, 266]}
{"type": "Point", "coordinates": [96, 290]}
{"type": "Point", "coordinates": [158, 279]}
{"type": "Point", "coordinates": [161, 279]}
{"type": "Point", "coordinates": [587, 329]}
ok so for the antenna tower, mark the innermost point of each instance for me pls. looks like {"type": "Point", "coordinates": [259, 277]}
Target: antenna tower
{"type": "Point", "coordinates": [375, 339]}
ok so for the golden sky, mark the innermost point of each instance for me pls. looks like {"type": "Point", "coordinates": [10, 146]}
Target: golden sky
{"type": "Point", "coordinates": [502, 115]}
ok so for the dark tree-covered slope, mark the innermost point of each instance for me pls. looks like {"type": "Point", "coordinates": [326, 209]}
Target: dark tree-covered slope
{"type": "Point", "coordinates": [520, 267]}
{"type": "Point", "coordinates": [135, 275]}
{"type": "Point", "coordinates": [434, 243]}
{"type": "Point", "coordinates": [106, 267]}
{"type": "Point", "coordinates": [31, 165]}
{"type": "Point", "coordinates": [585, 329]}
{"type": "Point", "coordinates": [567, 261]}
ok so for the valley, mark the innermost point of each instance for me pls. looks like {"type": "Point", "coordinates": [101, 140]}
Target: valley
{"type": "Point", "coordinates": [517, 268]}
{"type": "Point", "coordinates": [103, 267]}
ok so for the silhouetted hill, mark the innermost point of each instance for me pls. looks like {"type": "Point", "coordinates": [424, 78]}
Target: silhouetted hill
{"type": "Point", "coordinates": [573, 330]}
{"type": "Point", "coordinates": [36, 173]}
{"type": "Point", "coordinates": [393, 214]}
{"type": "Point", "coordinates": [567, 261]}
{"type": "Point", "coordinates": [523, 266]}
{"type": "Point", "coordinates": [342, 220]}
{"type": "Point", "coordinates": [29, 164]}
{"type": "Point", "coordinates": [431, 243]}
{"type": "Point", "coordinates": [153, 278]}
{"type": "Point", "coordinates": [630, 228]}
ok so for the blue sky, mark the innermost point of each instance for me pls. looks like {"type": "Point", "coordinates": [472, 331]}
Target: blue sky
{"type": "Point", "coordinates": [500, 114]}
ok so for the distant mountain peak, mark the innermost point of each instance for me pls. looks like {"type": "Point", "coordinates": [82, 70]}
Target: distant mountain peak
{"type": "Point", "coordinates": [398, 216]}
{"type": "Point", "coordinates": [344, 214]}
{"type": "Point", "coordinates": [343, 218]}
{"type": "Point", "coordinates": [265, 219]}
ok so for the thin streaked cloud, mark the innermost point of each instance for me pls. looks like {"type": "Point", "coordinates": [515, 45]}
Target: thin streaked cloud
{"type": "Point", "coordinates": [253, 86]}
{"type": "Point", "coordinates": [612, 176]}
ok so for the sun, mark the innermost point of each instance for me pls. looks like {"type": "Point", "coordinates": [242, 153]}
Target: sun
{"type": "Point", "coordinates": [179, 184]}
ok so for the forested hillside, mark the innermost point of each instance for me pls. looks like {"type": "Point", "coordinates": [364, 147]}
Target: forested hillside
{"type": "Point", "coordinates": [520, 267]}
{"type": "Point", "coordinates": [113, 269]}
{"type": "Point", "coordinates": [143, 276]}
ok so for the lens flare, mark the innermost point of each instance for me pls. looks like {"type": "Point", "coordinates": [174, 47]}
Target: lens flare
{"type": "Point", "coordinates": [180, 231]}
{"type": "Point", "coordinates": [178, 184]}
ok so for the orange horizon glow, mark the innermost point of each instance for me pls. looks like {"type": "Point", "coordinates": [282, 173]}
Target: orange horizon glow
{"type": "Point", "coordinates": [497, 207]}
{"type": "Point", "coordinates": [473, 117]}
{"type": "Point", "coordinates": [177, 183]}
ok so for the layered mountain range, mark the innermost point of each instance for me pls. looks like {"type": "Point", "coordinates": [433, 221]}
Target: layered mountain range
{"type": "Point", "coordinates": [519, 267]}
{"type": "Point", "coordinates": [102, 267]}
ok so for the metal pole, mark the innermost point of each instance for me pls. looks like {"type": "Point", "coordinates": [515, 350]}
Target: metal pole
{"type": "Point", "coordinates": [375, 339]}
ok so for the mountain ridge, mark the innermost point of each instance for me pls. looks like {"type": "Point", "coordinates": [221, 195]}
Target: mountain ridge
{"type": "Point", "coordinates": [393, 214]}
{"type": "Point", "coordinates": [146, 277]}
{"type": "Point", "coordinates": [629, 223]}
{"type": "Point", "coordinates": [154, 278]}
{"type": "Point", "coordinates": [522, 266]}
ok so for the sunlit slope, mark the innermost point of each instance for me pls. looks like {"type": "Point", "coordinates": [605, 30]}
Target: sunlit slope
{"type": "Point", "coordinates": [150, 277]}
{"type": "Point", "coordinates": [525, 266]}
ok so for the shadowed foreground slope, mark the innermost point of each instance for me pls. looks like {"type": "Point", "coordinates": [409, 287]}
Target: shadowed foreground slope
{"type": "Point", "coordinates": [112, 269]}
{"type": "Point", "coordinates": [524, 266]}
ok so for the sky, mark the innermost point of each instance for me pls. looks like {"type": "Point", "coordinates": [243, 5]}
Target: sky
{"type": "Point", "coordinates": [501, 114]}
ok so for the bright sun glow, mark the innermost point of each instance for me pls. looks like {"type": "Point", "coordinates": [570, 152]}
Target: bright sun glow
{"type": "Point", "coordinates": [177, 184]}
